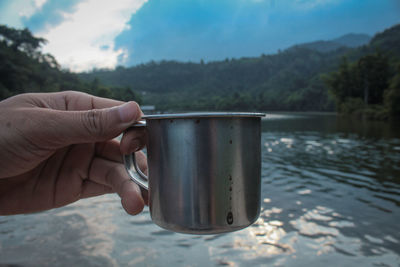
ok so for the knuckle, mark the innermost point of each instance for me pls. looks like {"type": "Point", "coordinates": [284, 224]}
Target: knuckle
{"type": "Point", "coordinates": [101, 148]}
{"type": "Point", "coordinates": [94, 122]}
{"type": "Point", "coordinates": [122, 185]}
{"type": "Point", "coordinates": [108, 189]}
{"type": "Point", "coordinates": [110, 176]}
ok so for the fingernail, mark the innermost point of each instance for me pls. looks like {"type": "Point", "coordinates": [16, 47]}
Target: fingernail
{"type": "Point", "coordinates": [128, 112]}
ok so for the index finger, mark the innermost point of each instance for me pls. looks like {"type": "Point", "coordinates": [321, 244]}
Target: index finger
{"type": "Point", "coordinates": [71, 100]}
{"type": "Point", "coordinates": [83, 101]}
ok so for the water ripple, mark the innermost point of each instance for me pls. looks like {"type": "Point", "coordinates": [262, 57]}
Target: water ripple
{"type": "Point", "coordinates": [330, 196]}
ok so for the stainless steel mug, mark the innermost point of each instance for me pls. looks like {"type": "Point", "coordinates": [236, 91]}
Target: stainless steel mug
{"type": "Point", "coordinates": [204, 171]}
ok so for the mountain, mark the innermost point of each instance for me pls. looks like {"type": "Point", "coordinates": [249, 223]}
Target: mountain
{"type": "Point", "coordinates": [289, 80]}
{"type": "Point", "coordinates": [294, 79]}
{"type": "Point", "coordinates": [353, 40]}
{"type": "Point", "coordinates": [349, 40]}
{"type": "Point", "coordinates": [285, 81]}
{"type": "Point", "coordinates": [388, 40]}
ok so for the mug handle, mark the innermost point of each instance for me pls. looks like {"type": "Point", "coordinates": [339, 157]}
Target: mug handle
{"type": "Point", "coordinates": [131, 165]}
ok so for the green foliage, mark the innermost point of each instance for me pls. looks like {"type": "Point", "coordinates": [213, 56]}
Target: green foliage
{"type": "Point", "coordinates": [294, 79]}
{"type": "Point", "coordinates": [290, 81]}
{"type": "Point", "coordinates": [351, 105]}
{"type": "Point", "coordinates": [392, 95]}
{"type": "Point", "coordinates": [21, 40]}
{"type": "Point", "coordinates": [23, 68]}
{"type": "Point", "coordinates": [373, 74]}
{"type": "Point", "coordinates": [360, 80]}
{"type": "Point", "coordinates": [118, 93]}
{"type": "Point", "coordinates": [366, 78]}
{"type": "Point", "coordinates": [300, 78]}
{"type": "Point", "coordinates": [361, 87]}
{"type": "Point", "coordinates": [388, 41]}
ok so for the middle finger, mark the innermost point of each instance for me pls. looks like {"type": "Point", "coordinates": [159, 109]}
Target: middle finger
{"type": "Point", "coordinates": [114, 175]}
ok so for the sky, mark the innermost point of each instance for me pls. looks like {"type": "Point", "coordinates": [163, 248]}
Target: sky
{"type": "Point", "coordinates": [88, 34]}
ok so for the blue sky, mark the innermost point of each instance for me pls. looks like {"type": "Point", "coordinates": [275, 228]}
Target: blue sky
{"type": "Point", "coordinates": [101, 33]}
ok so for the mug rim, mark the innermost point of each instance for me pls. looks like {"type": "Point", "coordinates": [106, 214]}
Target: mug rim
{"type": "Point", "coordinates": [191, 115]}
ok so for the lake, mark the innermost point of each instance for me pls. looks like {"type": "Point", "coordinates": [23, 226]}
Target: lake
{"type": "Point", "coordinates": [330, 197]}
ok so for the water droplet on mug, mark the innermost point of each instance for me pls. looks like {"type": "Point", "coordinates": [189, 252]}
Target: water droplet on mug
{"type": "Point", "coordinates": [230, 142]}
{"type": "Point", "coordinates": [229, 218]}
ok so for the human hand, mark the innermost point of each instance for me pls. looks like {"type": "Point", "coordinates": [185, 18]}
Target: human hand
{"type": "Point", "coordinates": [56, 148]}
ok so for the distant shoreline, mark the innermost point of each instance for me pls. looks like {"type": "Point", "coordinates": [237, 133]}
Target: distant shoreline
{"type": "Point", "coordinates": [332, 113]}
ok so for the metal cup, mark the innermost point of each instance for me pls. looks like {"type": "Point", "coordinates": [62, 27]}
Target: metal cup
{"type": "Point", "coordinates": [204, 171]}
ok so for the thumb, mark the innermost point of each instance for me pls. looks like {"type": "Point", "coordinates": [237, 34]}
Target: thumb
{"type": "Point", "coordinates": [96, 125]}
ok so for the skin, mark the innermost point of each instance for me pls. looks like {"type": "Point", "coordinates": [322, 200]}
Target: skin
{"type": "Point", "coordinates": [57, 148]}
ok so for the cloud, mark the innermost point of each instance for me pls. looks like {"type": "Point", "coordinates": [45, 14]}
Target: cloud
{"type": "Point", "coordinates": [39, 3]}
{"type": "Point", "coordinates": [191, 30]}
{"type": "Point", "coordinates": [86, 34]}
{"type": "Point", "coordinates": [13, 12]}
{"type": "Point", "coordinates": [84, 38]}
{"type": "Point", "coordinates": [311, 4]}
{"type": "Point", "coordinates": [81, 33]}
{"type": "Point", "coordinates": [49, 13]}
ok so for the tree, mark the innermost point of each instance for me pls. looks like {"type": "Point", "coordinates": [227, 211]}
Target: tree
{"type": "Point", "coordinates": [340, 82]}
{"type": "Point", "coordinates": [23, 68]}
{"type": "Point", "coordinates": [22, 40]}
{"type": "Point", "coordinates": [366, 80]}
{"type": "Point", "coordinates": [392, 95]}
{"type": "Point", "coordinates": [373, 74]}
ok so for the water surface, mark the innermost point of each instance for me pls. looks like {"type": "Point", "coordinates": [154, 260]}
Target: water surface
{"type": "Point", "coordinates": [330, 196]}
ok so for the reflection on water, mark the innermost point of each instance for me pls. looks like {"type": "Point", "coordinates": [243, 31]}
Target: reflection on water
{"type": "Point", "coordinates": [330, 196]}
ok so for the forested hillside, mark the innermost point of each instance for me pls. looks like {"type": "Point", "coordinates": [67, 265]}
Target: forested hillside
{"type": "Point", "coordinates": [361, 80]}
{"type": "Point", "coordinates": [23, 68]}
{"type": "Point", "coordinates": [348, 40]}
{"type": "Point", "coordinates": [369, 85]}
{"type": "Point", "coordinates": [300, 78]}
{"type": "Point", "coordinates": [289, 80]}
